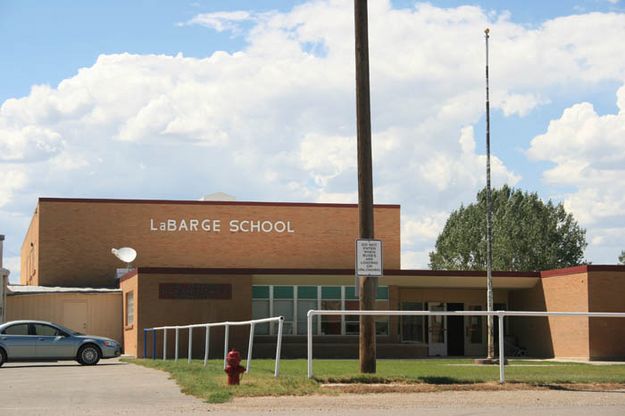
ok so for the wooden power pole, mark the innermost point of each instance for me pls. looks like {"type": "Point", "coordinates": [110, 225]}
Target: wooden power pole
{"type": "Point", "coordinates": [368, 284]}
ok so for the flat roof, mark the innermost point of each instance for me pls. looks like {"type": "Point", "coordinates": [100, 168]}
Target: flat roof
{"type": "Point", "coordinates": [388, 272]}
{"type": "Point", "coordinates": [584, 268]}
{"type": "Point", "coordinates": [318, 272]}
{"type": "Point", "coordinates": [26, 289]}
{"type": "Point", "coordinates": [192, 202]}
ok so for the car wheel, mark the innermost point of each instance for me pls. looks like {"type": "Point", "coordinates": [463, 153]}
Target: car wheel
{"type": "Point", "coordinates": [3, 357]}
{"type": "Point", "coordinates": [88, 355]}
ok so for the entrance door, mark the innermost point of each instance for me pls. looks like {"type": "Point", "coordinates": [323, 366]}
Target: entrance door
{"type": "Point", "coordinates": [75, 316]}
{"type": "Point", "coordinates": [475, 344]}
{"type": "Point", "coordinates": [437, 345]}
{"type": "Point", "coordinates": [455, 331]}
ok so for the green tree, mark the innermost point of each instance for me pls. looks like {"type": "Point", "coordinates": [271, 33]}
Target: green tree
{"type": "Point", "coordinates": [528, 235]}
{"type": "Point", "coordinates": [621, 258]}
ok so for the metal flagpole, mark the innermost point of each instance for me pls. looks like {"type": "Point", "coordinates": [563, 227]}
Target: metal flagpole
{"type": "Point", "coordinates": [489, 220]}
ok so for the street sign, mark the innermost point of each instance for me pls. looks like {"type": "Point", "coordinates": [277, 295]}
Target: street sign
{"type": "Point", "coordinates": [369, 258]}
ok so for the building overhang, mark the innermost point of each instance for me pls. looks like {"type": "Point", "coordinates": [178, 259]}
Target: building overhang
{"type": "Point", "coordinates": [401, 278]}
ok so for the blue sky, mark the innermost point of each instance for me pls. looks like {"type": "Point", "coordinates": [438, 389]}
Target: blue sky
{"type": "Point", "coordinates": [173, 99]}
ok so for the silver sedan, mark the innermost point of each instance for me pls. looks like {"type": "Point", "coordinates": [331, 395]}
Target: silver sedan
{"type": "Point", "coordinates": [46, 341]}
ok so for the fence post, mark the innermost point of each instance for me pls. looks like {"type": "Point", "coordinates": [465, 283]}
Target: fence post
{"type": "Point", "coordinates": [225, 344]}
{"type": "Point", "coordinates": [502, 358]}
{"type": "Point", "coordinates": [309, 342]}
{"type": "Point", "coordinates": [164, 343]}
{"type": "Point", "coordinates": [190, 345]}
{"type": "Point", "coordinates": [278, 347]}
{"type": "Point", "coordinates": [154, 344]}
{"type": "Point", "coordinates": [250, 344]}
{"type": "Point", "coordinates": [176, 349]}
{"type": "Point", "coordinates": [207, 343]}
{"type": "Point", "coordinates": [145, 343]}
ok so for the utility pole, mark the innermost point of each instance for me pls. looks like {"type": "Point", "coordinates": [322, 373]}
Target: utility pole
{"type": "Point", "coordinates": [489, 223]}
{"type": "Point", "coordinates": [368, 284]}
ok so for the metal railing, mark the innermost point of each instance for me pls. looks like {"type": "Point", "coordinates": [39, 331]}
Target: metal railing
{"type": "Point", "coordinates": [227, 324]}
{"type": "Point", "coordinates": [499, 314]}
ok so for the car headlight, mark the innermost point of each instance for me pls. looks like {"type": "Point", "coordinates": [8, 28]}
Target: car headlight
{"type": "Point", "coordinates": [112, 344]}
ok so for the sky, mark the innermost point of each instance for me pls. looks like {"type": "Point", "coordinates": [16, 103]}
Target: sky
{"type": "Point", "coordinates": [176, 100]}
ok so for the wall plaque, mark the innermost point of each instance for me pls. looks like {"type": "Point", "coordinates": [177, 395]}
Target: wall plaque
{"type": "Point", "coordinates": [194, 291]}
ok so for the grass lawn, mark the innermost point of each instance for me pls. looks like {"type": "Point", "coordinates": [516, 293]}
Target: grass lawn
{"type": "Point", "coordinates": [210, 383]}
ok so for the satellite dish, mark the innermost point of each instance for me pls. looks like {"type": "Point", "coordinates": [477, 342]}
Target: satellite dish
{"type": "Point", "coordinates": [125, 254]}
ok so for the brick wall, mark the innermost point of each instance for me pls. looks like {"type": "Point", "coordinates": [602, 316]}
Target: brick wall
{"type": "Point", "coordinates": [607, 294]}
{"type": "Point", "coordinates": [76, 236]}
{"type": "Point", "coordinates": [151, 311]}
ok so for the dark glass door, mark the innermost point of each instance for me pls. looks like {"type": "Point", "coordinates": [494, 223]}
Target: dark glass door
{"type": "Point", "coordinates": [455, 331]}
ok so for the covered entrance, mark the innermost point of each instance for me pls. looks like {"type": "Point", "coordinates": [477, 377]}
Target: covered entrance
{"type": "Point", "coordinates": [446, 333]}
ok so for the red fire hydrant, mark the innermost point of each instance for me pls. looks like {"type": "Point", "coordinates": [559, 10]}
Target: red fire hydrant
{"type": "Point", "coordinates": [234, 367]}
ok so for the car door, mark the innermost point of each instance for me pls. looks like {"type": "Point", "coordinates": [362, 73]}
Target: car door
{"type": "Point", "coordinates": [18, 343]}
{"type": "Point", "coordinates": [53, 343]}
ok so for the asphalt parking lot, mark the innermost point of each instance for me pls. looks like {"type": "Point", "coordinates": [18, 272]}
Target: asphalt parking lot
{"type": "Point", "coordinates": [111, 387]}
{"type": "Point", "coordinates": [116, 388]}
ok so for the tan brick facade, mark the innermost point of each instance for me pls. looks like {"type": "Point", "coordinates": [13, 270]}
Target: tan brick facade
{"type": "Point", "coordinates": [77, 236]}
{"type": "Point", "coordinates": [577, 289]}
{"type": "Point", "coordinates": [151, 310]}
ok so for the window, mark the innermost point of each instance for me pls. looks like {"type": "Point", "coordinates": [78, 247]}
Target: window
{"type": "Point", "coordinates": [331, 301]}
{"type": "Point", "coordinates": [506, 330]}
{"type": "Point", "coordinates": [260, 308]}
{"type": "Point", "coordinates": [352, 322]}
{"type": "Point", "coordinates": [283, 305]}
{"type": "Point", "coordinates": [294, 302]}
{"type": "Point", "coordinates": [412, 327]}
{"type": "Point", "coordinates": [130, 308]}
{"type": "Point", "coordinates": [47, 331]}
{"type": "Point", "coordinates": [475, 327]}
{"type": "Point", "coordinates": [381, 304]}
{"type": "Point", "coordinates": [306, 300]}
{"type": "Point", "coordinates": [20, 329]}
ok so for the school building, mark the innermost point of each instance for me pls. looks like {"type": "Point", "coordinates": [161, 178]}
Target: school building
{"type": "Point", "coordinates": [211, 261]}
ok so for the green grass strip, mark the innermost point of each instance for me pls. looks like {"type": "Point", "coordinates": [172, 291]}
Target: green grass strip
{"type": "Point", "coordinates": [209, 383]}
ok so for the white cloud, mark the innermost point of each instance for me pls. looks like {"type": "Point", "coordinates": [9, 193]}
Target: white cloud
{"type": "Point", "coordinates": [11, 180]}
{"type": "Point", "coordinates": [415, 259]}
{"type": "Point", "coordinates": [425, 229]}
{"type": "Point", "coordinates": [275, 120]}
{"type": "Point", "coordinates": [326, 157]}
{"type": "Point", "coordinates": [519, 104]}
{"type": "Point", "coordinates": [13, 265]}
{"type": "Point", "coordinates": [220, 21]}
{"type": "Point", "coordinates": [29, 143]}
{"type": "Point", "coordinates": [588, 151]}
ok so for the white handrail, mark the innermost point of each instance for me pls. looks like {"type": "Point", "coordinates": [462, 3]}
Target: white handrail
{"type": "Point", "coordinates": [213, 324]}
{"type": "Point", "coordinates": [499, 314]}
{"type": "Point", "coordinates": [226, 324]}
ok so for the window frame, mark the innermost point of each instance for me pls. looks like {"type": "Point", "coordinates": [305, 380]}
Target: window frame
{"type": "Point", "coordinates": [129, 295]}
{"type": "Point", "coordinates": [28, 330]}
